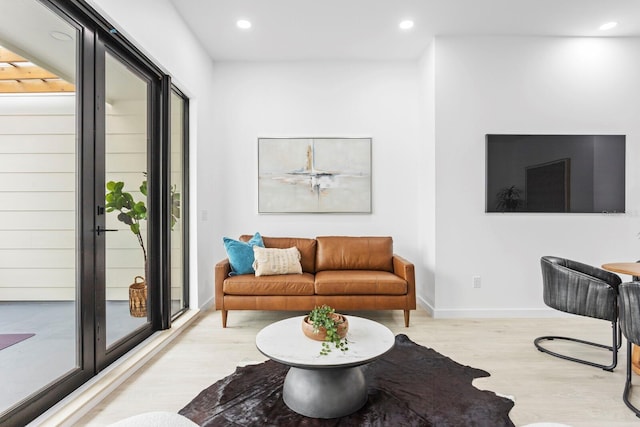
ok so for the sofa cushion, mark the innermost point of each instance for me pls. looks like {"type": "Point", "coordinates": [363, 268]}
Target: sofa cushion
{"type": "Point", "coordinates": [273, 261]}
{"type": "Point", "coordinates": [287, 284]}
{"type": "Point", "coordinates": [240, 253]}
{"type": "Point", "coordinates": [354, 253]}
{"type": "Point", "coordinates": [307, 248]}
{"type": "Point", "coordinates": [359, 282]}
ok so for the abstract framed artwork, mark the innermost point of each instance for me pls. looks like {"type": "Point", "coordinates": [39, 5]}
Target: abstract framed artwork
{"type": "Point", "coordinates": [314, 175]}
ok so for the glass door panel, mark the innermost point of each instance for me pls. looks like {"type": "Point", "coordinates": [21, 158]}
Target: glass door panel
{"type": "Point", "coordinates": [126, 135]}
{"type": "Point", "coordinates": [177, 143]}
{"type": "Point", "coordinates": [39, 187]}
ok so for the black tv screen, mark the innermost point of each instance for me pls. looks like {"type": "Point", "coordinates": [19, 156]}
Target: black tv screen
{"type": "Point", "coordinates": [555, 173]}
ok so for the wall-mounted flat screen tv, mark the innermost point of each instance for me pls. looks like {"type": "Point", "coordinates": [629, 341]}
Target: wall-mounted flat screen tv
{"type": "Point", "coordinates": [555, 173]}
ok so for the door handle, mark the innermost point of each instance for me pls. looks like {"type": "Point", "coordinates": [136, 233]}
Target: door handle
{"type": "Point", "coordinates": [103, 230]}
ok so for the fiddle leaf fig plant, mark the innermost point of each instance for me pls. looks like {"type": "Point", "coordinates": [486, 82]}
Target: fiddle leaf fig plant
{"type": "Point", "coordinates": [130, 211]}
{"type": "Point", "coordinates": [175, 201]}
{"type": "Point", "coordinates": [133, 212]}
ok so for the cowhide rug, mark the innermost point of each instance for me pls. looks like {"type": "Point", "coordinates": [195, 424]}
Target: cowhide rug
{"type": "Point", "coordinates": [409, 386]}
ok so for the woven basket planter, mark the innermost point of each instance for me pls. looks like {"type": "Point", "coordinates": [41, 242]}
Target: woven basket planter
{"type": "Point", "coordinates": [138, 297]}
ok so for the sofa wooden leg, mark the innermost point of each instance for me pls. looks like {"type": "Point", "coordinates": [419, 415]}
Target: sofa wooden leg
{"type": "Point", "coordinates": [224, 318]}
{"type": "Point", "coordinates": [406, 318]}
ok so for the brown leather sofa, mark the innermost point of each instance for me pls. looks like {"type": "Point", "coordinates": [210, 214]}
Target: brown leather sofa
{"type": "Point", "coordinates": [347, 273]}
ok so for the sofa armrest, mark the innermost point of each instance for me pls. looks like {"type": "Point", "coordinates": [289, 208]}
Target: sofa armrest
{"type": "Point", "coordinates": [406, 270]}
{"type": "Point", "coordinates": [221, 272]}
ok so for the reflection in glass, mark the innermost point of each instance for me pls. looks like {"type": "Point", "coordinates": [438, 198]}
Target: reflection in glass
{"type": "Point", "coordinates": [38, 194]}
{"type": "Point", "coordinates": [555, 173]}
{"type": "Point", "coordinates": [126, 201]}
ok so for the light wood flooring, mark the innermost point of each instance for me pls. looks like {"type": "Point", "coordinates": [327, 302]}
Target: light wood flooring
{"type": "Point", "coordinates": [546, 389]}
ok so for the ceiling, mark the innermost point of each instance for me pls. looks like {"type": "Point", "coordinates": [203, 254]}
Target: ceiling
{"type": "Point", "coordinates": [368, 29]}
{"type": "Point", "coordinates": [18, 75]}
{"type": "Point", "coordinates": [26, 33]}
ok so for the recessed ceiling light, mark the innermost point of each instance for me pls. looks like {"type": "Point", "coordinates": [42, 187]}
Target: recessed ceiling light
{"type": "Point", "coordinates": [608, 26]}
{"type": "Point", "coordinates": [243, 24]}
{"type": "Point", "coordinates": [407, 24]}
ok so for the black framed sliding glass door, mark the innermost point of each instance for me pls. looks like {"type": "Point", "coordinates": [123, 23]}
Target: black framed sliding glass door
{"type": "Point", "coordinates": [178, 201]}
{"type": "Point", "coordinates": [124, 147]}
{"type": "Point", "coordinates": [41, 231]}
{"type": "Point", "coordinates": [92, 196]}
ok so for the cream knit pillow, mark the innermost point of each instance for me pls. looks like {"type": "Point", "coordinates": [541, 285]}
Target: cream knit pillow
{"type": "Point", "coordinates": [272, 261]}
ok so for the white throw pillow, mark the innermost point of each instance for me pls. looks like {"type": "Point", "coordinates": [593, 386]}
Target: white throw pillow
{"type": "Point", "coordinates": [272, 261]}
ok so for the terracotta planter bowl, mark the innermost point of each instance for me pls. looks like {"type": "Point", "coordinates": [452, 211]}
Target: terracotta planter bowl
{"type": "Point", "coordinates": [307, 328]}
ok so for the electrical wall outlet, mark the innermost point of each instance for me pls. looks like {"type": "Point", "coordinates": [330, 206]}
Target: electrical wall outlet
{"type": "Point", "coordinates": [477, 283]}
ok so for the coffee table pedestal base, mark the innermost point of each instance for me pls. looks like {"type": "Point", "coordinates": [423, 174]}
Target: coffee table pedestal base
{"type": "Point", "coordinates": [325, 393]}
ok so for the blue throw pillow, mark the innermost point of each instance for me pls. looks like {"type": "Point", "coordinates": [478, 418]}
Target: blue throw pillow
{"type": "Point", "coordinates": [241, 254]}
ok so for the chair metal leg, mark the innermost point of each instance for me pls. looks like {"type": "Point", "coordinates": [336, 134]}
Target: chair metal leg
{"type": "Point", "coordinates": [627, 384]}
{"type": "Point", "coordinates": [615, 346]}
{"type": "Point", "coordinates": [619, 337]}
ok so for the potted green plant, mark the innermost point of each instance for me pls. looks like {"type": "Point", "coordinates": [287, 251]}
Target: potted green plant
{"type": "Point", "coordinates": [509, 199]}
{"type": "Point", "coordinates": [132, 212]}
{"type": "Point", "coordinates": [324, 324]}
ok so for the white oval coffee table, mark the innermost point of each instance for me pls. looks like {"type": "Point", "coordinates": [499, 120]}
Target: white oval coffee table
{"type": "Point", "coordinates": [329, 386]}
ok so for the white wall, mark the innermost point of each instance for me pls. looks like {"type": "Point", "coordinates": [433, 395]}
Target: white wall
{"type": "Point", "coordinates": [376, 99]}
{"type": "Point", "coordinates": [426, 294]}
{"type": "Point", "coordinates": [525, 85]}
{"type": "Point", "coordinates": [429, 173]}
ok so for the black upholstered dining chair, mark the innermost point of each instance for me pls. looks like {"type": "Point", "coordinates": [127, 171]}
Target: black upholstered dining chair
{"type": "Point", "coordinates": [630, 325]}
{"type": "Point", "coordinates": [577, 288]}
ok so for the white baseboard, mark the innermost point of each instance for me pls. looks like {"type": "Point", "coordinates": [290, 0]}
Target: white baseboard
{"type": "Point", "coordinates": [486, 313]}
{"type": "Point", "coordinates": [497, 313]}
{"type": "Point", "coordinates": [207, 304]}
{"type": "Point", "coordinates": [425, 305]}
